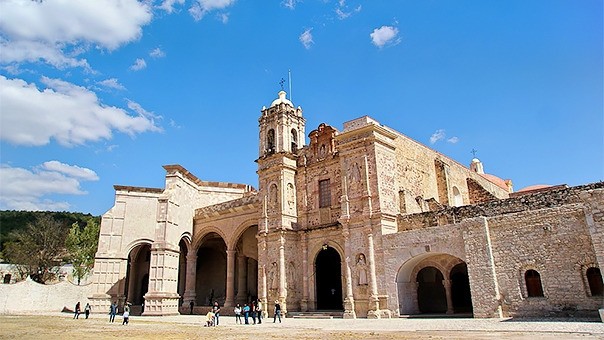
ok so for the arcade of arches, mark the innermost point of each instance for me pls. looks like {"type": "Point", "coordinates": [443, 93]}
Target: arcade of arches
{"type": "Point", "coordinates": [208, 271]}
{"type": "Point", "coordinates": [434, 284]}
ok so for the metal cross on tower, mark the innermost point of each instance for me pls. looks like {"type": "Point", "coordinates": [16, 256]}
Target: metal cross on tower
{"type": "Point", "coordinates": [281, 82]}
{"type": "Point", "coordinates": [474, 151]}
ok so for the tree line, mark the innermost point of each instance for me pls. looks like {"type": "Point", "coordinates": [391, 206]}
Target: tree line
{"type": "Point", "coordinates": [37, 243]}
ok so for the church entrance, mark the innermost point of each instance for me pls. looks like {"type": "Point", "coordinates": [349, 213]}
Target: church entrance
{"type": "Point", "coordinates": [137, 274]}
{"type": "Point", "coordinates": [328, 274]}
{"type": "Point", "coordinates": [431, 296]}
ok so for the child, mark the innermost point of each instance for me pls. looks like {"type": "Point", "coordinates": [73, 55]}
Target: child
{"type": "Point", "coordinates": [126, 316]}
{"type": "Point", "coordinates": [210, 319]}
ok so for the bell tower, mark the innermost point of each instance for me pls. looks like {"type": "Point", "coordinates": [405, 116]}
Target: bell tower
{"type": "Point", "coordinates": [281, 136]}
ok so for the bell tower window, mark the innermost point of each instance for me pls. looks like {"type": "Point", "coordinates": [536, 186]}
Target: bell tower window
{"type": "Point", "coordinates": [270, 141]}
{"type": "Point", "coordinates": [294, 139]}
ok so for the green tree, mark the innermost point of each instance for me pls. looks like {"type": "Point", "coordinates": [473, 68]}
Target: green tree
{"type": "Point", "coordinates": [37, 250]}
{"type": "Point", "coordinates": [81, 245]}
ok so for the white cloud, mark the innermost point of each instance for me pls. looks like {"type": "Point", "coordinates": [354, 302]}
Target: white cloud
{"type": "Point", "coordinates": [291, 4]}
{"type": "Point", "coordinates": [139, 64]}
{"type": "Point", "coordinates": [111, 83]}
{"type": "Point", "coordinates": [202, 7]}
{"type": "Point", "coordinates": [453, 140]}
{"type": "Point", "coordinates": [342, 10]}
{"type": "Point", "coordinates": [157, 53]}
{"type": "Point", "coordinates": [57, 31]}
{"type": "Point", "coordinates": [24, 189]}
{"type": "Point", "coordinates": [224, 17]}
{"type": "Point", "coordinates": [385, 35]}
{"type": "Point", "coordinates": [168, 5]}
{"type": "Point", "coordinates": [71, 170]}
{"type": "Point", "coordinates": [306, 38]}
{"type": "Point", "coordinates": [67, 113]}
{"type": "Point", "coordinates": [438, 135]}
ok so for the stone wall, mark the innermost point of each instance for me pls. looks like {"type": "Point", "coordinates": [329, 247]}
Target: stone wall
{"type": "Point", "coordinates": [31, 297]}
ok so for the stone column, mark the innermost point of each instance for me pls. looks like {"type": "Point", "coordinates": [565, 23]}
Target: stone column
{"type": "Point", "coordinates": [349, 312]}
{"type": "Point", "coordinates": [304, 302]}
{"type": "Point", "coordinates": [282, 282]}
{"type": "Point", "coordinates": [447, 284]}
{"type": "Point", "coordinates": [190, 294]}
{"type": "Point", "coordinates": [241, 279]}
{"type": "Point", "coordinates": [230, 278]}
{"type": "Point", "coordinates": [374, 302]}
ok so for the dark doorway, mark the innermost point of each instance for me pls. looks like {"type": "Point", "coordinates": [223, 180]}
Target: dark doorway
{"type": "Point", "coordinates": [431, 296]}
{"type": "Point", "coordinates": [460, 289]}
{"type": "Point", "coordinates": [328, 279]}
{"type": "Point", "coordinates": [137, 277]}
{"type": "Point", "coordinates": [210, 285]}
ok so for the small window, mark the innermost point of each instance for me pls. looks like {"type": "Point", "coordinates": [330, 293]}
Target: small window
{"type": "Point", "coordinates": [533, 283]}
{"type": "Point", "coordinates": [7, 278]}
{"type": "Point", "coordinates": [324, 194]}
{"type": "Point", "coordinates": [294, 139]}
{"type": "Point", "coordinates": [270, 141]}
{"type": "Point", "coordinates": [594, 279]}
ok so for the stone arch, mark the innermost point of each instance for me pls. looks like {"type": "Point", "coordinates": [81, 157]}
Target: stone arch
{"type": "Point", "coordinates": [457, 197]}
{"type": "Point", "coordinates": [211, 267]}
{"type": "Point", "coordinates": [185, 248]}
{"type": "Point", "coordinates": [197, 239]}
{"type": "Point", "coordinates": [132, 245]}
{"type": "Point", "coordinates": [245, 269]}
{"type": "Point", "coordinates": [410, 276]}
{"type": "Point", "coordinates": [136, 282]}
{"type": "Point", "coordinates": [328, 276]}
{"type": "Point", "coordinates": [522, 283]}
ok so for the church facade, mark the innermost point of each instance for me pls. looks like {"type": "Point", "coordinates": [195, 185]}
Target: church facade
{"type": "Point", "coordinates": [365, 222]}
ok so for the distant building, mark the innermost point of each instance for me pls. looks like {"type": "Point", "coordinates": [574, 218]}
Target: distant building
{"type": "Point", "coordinates": [365, 221]}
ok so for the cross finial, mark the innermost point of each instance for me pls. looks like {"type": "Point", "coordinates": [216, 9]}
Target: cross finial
{"type": "Point", "coordinates": [281, 82]}
{"type": "Point", "coordinates": [474, 151]}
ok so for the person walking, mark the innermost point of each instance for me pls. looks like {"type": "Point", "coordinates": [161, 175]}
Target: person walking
{"type": "Point", "coordinates": [87, 310]}
{"type": "Point", "coordinates": [237, 311]}
{"type": "Point", "coordinates": [259, 311]}
{"type": "Point", "coordinates": [253, 312]}
{"type": "Point", "coordinates": [76, 314]}
{"type": "Point", "coordinates": [112, 311]}
{"type": "Point", "coordinates": [277, 312]}
{"type": "Point", "coordinates": [191, 304]}
{"type": "Point", "coordinates": [216, 310]}
{"type": "Point", "coordinates": [126, 316]}
{"type": "Point", "coordinates": [246, 313]}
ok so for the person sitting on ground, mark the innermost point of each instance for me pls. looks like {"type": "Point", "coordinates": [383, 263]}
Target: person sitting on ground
{"type": "Point", "coordinates": [210, 319]}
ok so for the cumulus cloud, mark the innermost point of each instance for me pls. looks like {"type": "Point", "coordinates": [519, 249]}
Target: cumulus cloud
{"type": "Point", "coordinates": [111, 83]}
{"type": "Point", "coordinates": [291, 4]}
{"type": "Point", "coordinates": [139, 64]}
{"type": "Point", "coordinates": [28, 189]}
{"type": "Point", "coordinates": [157, 53]}
{"type": "Point", "coordinates": [67, 113]}
{"type": "Point", "coordinates": [202, 7]}
{"type": "Point", "coordinates": [385, 35]}
{"type": "Point", "coordinates": [55, 32]}
{"type": "Point", "coordinates": [441, 134]}
{"type": "Point", "coordinates": [306, 38]}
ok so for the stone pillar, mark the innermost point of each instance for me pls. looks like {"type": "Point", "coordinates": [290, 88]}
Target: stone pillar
{"type": "Point", "coordinates": [304, 302]}
{"type": "Point", "coordinates": [447, 284]}
{"type": "Point", "coordinates": [241, 279]}
{"type": "Point", "coordinates": [349, 312]}
{"type": "Point", "coordinates": [190, 294]}
{"type": "Point", "coordinates": [374, 302]}
{"type": "Point", "coordinates": [282, 282]}
{"type": "Point", "coordinates": [230, 279]}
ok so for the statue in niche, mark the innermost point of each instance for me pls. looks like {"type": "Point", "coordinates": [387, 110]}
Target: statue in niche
{"type": "Point", "coordinates": [272, 196]}
{"type": "Point", "coordinates": [291, 276]}
{"type": "Point", "coordinates": [354, 175]}
{"type": "Point", "coordinates": [361, 268]}
{"type": "Point", "coordinates": [273, 276]}
{"type": "Point", "coordinates": [290, 195]}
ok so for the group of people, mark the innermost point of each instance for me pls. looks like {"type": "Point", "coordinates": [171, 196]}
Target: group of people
{"type": "Point", "coordinates": [253, 310]}
{"type": "Point", "coordinates": [78, 310]}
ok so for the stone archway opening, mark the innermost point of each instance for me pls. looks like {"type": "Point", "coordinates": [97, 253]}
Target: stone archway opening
{"type": "Point", "coordinates": [246, 267]}
{"type": "Point", "coordinates": [182, 269]}
{"type": "Point", "coordinates": [137, 275]}
{"type": "Point", "coordinates": [328, 276]}
{"type": "Point", "coordinates": [431, 295]}
{"type": "Point", "coordinates": [210, 282]}
{"type": "Point", "coordinates": [460, 289]}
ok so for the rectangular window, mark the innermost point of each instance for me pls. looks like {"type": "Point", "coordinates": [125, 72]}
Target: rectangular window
{"type": "Point", "coordinates": [324, 194]}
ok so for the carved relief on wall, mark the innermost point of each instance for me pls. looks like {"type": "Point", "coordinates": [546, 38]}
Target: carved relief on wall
{"type": "Point", "coordinates": [273, 197]}
{"type": "Point", "coordinates": [291, 276]}
{"type": "Point", "coordinates": [361, 269]}
{"type": "Point", "coordinates": [291, 196]}
{"type": "Point", "coordinates": [354, 177]}
{"type": "Point", "coordinates": [273, 276]}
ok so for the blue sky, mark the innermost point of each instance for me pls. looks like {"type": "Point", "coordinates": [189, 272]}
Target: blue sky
{"type": "Point", "coordinates": [98, 93]}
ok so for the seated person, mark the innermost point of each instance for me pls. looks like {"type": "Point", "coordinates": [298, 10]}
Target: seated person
{"type": "Point", "coordinates": [210, 319]}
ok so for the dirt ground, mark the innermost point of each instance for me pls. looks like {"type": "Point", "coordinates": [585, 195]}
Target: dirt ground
{"type": "Point", "coordinates": [97, 327]}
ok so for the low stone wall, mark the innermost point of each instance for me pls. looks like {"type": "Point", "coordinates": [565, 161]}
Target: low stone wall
{"type": "Point", "coordinates": [32, 297]}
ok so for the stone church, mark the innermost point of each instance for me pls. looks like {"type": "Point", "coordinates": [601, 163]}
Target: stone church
{"type": "Point", "coordinates": [361, 222]}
